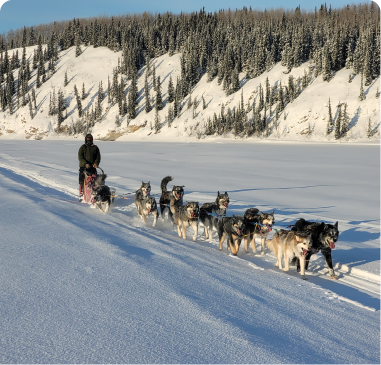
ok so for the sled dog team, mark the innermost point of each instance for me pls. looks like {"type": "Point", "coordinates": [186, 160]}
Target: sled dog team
{"type": "Point", "coordinates": [296, 245]}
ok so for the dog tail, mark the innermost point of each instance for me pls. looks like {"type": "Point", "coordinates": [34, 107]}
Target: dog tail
{"type": "Point", "coordinates": [164, 183]}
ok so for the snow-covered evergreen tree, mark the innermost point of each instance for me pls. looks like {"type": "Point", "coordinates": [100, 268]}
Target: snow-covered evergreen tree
{"type": "Point", "coordinates": [338, 124]}
{"type": "Point", "coordinates": [362, 95]}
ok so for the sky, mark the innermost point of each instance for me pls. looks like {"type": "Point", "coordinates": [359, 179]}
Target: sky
{"type": "Point", "coordinates": [15, 14]}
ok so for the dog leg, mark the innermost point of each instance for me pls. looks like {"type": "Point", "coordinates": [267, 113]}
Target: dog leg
{"type": "Point", "coordinates": [184, 229]}
{"type": "Point", "coordinates": [206, 231]}
{"type": "Point", "coordinates": [222, 238]}
{"type": "Point", "coordinates": [303, 264]}
{"type": "Point", "coordinates": [195, 229]}
{"type": "Point", "coordinates": [245, 241]}
{"type": "Point", "coordinates": [263, 240]}
{"type": "Point", "coordinates": [286, 261]}
{"type": "Point", "coordinates": [252, 240]}
{"type": "Point", "coordinates": [179, 228]}
{"type": "Point", "coordinates": [154, 219]}
{"type": "Point", "coordinates": [280, 254]}
{"type": "Point", "coordinates": [328, 260]}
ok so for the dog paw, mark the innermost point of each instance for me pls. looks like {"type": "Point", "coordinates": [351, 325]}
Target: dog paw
{"type": "Point", "coordinates": [334, 277]}
{"type": "Point", "coordinates": [304, 277]}
{"type": "Point", "coordinates": [263, 253]}
{"type": "Point", "coordinates": [194, 239]}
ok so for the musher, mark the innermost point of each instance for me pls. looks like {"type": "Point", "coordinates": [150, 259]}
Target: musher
{"type": "Point", "coordinates": [89, 158]}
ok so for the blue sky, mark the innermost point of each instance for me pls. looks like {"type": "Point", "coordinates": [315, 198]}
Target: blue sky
{"type": "Point", "coordinates": [17, 13]}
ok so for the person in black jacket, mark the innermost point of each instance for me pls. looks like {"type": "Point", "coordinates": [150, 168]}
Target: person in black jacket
{"type": "Point", "coordinates": [89, 158]}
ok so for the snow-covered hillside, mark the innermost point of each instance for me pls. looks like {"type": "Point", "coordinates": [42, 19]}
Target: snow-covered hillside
{"type": "Point", "coordinates": [304, 119]}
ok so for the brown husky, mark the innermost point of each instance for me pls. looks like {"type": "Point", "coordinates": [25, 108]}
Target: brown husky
{"type": "Point", "coordinates": [289, 244]}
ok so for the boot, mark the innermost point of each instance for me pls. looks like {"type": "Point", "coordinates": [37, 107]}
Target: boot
{"type": "Point", "coordinates": [80, 194]}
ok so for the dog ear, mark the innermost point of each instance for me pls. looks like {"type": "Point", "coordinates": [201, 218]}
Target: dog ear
{"type": "Point", "coordinates": [272, 213]}
{"type": "Point", "coordinates": [323, 225]}
{"type": "Point", "coordinates": [218, 193]}
{"type": "Point", "coordinates": [336, 225]}
{"type": "Point", "coordinates": [226, 193]}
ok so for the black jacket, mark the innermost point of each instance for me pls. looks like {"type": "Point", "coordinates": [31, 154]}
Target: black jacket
{"type": "Point", "coordinates": [89, 155]}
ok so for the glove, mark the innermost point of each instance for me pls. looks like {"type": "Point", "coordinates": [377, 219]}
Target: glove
{"type": "Point", "coordinates": [95, 165]}
{"type": "Point", "coordinates": [87, 166]}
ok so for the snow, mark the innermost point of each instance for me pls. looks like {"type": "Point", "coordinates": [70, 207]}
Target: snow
{"type": "Point", "coordinates": [80, 286]}
{"type": "Point", "coordinates": [309, 109]}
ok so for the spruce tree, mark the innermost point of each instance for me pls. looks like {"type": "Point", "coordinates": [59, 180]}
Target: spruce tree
{"type": "Point", "coordinates": [344, 122]}
{"type": "Point", "coordinates": [65, 79]}
{"type": "Point", "coordinates": [83, 95]}
{"type": "Point", "coordinates": [338, 124]}
{"type": "Point", "coordinates": [369, 132]}
{"type": "Point", "coordinates": [60, 109]}
{"type": "Point", "coordinates": [159, 100]}
{"type": "Point", "coordinates": [131, 106]}
{"type": "Point", "coordinates": [31, 110]}
{"type": "Point", "coordinates": [330, 120]}
{"type": "Point", "coordinates": [34, 100]}
{"type": "Point", "coordinates": [235, 85]}
{"type": "Point", "coordinates": [79, 103]}
{"type": "Point", "coordinates": [157, 121]}
{"type": "Point", "coordinates": [171, 91]}
{"type": "Point", "coordinates": [361, 96]}
{"type": "Point", "coordinates": [148, 106]}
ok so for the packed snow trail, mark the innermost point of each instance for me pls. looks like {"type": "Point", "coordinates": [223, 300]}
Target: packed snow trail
{"type": "Point", "coordinates": [80, 286]}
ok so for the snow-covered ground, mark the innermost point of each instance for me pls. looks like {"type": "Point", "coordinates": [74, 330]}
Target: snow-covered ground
{"type": "Point", "coordinates": [80, 286]}
{"type": "Point", "coordinates": [308, 111]}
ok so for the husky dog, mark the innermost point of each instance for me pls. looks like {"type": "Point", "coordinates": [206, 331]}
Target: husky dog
{"type": "Point", "coordinates": [257, 225]}
{"type": "Point", "coordinates": [186, 216]}
{"type": "Point", "coordinates": [147, 206]}
{"type": "Point", "coordinates": [290, 245]}
{"type": "Point", "coordinates": [323, 236]}
{"type": "Point", "coordinates": [169, 200]}
{"type": "Point", "coordinates": [143, 192]}
{"type": "Point", "coordinates": [101, 193]}
{"type": "Point", "coordinates": [210, 212]}
{"type": "Point", "coordinates": [233, 228]}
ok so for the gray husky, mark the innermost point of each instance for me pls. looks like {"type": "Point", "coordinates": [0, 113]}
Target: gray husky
{"type": "Point", "coordinates": [147, 206]}
{"type": "Point", "coordinates": [169, 200]}
{"type": "Point", "coordinates": [257, 225]}
{"type": "Point", "coordinates": [210, 212]}
{"type": "Point", "coordinates": [143, 191]}
{"type": "Point", "coordinates": [185, 217]}
{"type": "Point", "coordinates": [233, 229]}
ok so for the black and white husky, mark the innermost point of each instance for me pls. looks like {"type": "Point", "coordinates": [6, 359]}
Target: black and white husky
{"type": "Point", "coordinates": [147, 206]}
{"type": "Point", "coordinates": [231, 228]}
{"type": "Point", "coordinates": [187, 216]}
{"type": "Point", "coordinates": [324, 237]}
{"type": "Point", "coordinates": [169, 200]}
{"type": "Point", "coordinates": [211, 212]}
{"type": "Point", "coordinates": [101, 194]}
{"type": "Point", "coordinates": [258, 224]}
